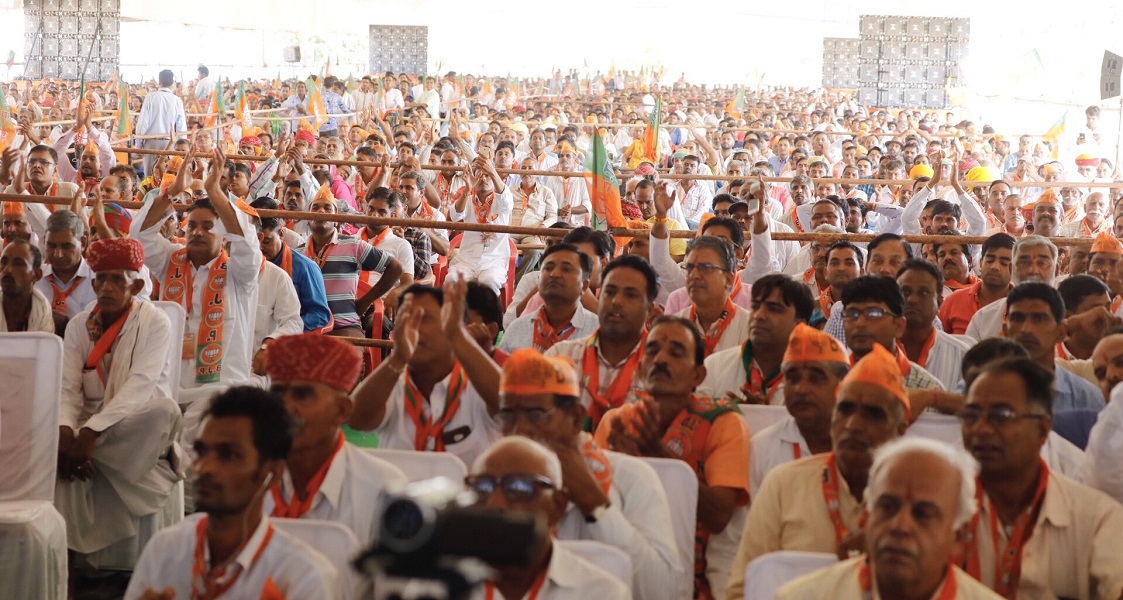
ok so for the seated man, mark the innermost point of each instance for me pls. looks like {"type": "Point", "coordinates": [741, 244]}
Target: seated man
{"type": "Point", "coordinates": [67, 279]}
{"type": "Point", "coordinates": [958, 307]}
{"type": "Point", "coordinates": [564, 278]}
{"type": "Point", "coordinates": [1062, 540]}
{"type": "Point", "coordinates": [814, 364]}
{"type": "Point", "coordinates": [613, 498]}
{"type": "Point", "coordinates": [919, 497]}
{"type": "Point", "coordinates": [711, 266]}
{"type": "Point", "coordinates": [438, 391]}
{"type": "Point", "coordinates": [519, 475]}
{"type": "Point", "coordinates": [802, 505]}
{"type": "Point", "coordinates": [240, 451]}
{"type": "Point", "coordinates": [672, 422]}
{"type": "Point", "coordinates": [750, 373]}
{"type": "Point", "coordinates": [325, 478]}
{"type": "Point", "coordinates": [844, 264]}
{"type": "Point", "coordinates": [22, 306]}
{"type": "Point", "coordinates": [483, 257]}
{"type": "Point", "coordinates": [117, 419]}
{"type": "Point", "coordinates": [306, 276]}
{"type": "Point", "coordinates": [924, 343]}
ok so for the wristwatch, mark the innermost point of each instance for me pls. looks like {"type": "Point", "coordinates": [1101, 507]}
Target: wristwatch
{"type": "Point", "coordinates": [597, 513]}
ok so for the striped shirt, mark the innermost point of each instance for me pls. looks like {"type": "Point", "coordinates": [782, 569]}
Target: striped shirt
{"type": "Point", "coordinates": [341, 262]}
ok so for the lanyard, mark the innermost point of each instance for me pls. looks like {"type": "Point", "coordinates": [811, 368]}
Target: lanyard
{"type": "Point", "coordinates": [204, 585]}
{"type": "Point", "coordinates": [717, 329]}
{"type": "Point", "coordinates": [59, 295]}
{"type": "Point", "coordinates": [545, 336]}
{"type": "Point", "coordinates": [531, 594]}
{"type": "Point", "coordinates": [424, 427]}
{"type": "Point", "coordinates": [617, 391]}
{"type": "Point", "coordinates": [296, 508]}
{"type": "Point", "coordinates": [865, 581]}
{"type": "Point", "coordinates": [831, 497]}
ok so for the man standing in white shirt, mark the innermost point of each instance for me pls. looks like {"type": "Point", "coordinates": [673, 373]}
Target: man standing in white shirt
{"type": "Point", "coordinates": [614, 498]}
{"type": "Point", "coordinates": [161, 114]}
{"type": "Point", "coordinates": [483, 257]}
{"type": "Point", "coordinates": [325, 477]}
{"type": "Point", "coordinates": [204, 87]}
{"type": "Point", "coordinates": [117, 419]}
{"type": "Point", "coordinates": [67, 279]}
{"type": "Point", "coordinates": [229, 548]}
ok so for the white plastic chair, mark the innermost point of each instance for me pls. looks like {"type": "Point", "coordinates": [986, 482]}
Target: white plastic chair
{"type": "Point", "coordinates": [419, 466]}
{"type": "Point", "coordinates": [337, 543]}
{"type": "Point", "coordinates": [177, 319]}
{"type": "Point", "coordinates": [768, 573]}
{"type": "Point", "coordinates": [609, 558]}
{"type": "Point", "coordinates": [681, 485]}
{"type": "Point", "coordinates": [33, 549]}
{"type": "Point", "coordinates": [945, 428]}
{"type": "Point", "coordinates": [759, 416]}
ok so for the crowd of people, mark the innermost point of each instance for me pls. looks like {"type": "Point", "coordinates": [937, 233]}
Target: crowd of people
{"type": "Point", "coordinates": [555, 361]}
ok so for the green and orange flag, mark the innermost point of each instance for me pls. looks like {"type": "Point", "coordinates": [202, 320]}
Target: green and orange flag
{"type": "Point", "coordinates": [240, 104]}
{"type": "Point", "coordinates": [218, 104]}
{"type": "Point", "coordinates": [123, 128]}
{"type": "Point", "coordinates": [651, 134]}
{"type": "Point", "coordinates": [604, 188]}
{"type": "Point", "coordinates": [316, 108]}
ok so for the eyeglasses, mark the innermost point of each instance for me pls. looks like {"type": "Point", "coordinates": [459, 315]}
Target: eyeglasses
{"type": "Point", "coordinates": [704, 268]}
{"type": "Point", "coordinates": [509, 416]}
{"type": "Point", "coordinates": [516, 487]}
{"type": "Point", "coordinates": [997, 416]}
{"type": "Point", "coordinates": [872, 313]}
{"type": "Point", "coordinates": [40, 161]}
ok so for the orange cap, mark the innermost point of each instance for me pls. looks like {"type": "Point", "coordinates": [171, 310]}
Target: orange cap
{"type": "Point", "coordinates": [879, 368]}
{"type": "Point", "coordinates": [13, 209]}
{"type": "Point", "coordinates": [1105, 242]}
{"type": "Point", "coordinates": [808, 344]}
{"type": "Point", "coordinates": [324, 194]}
{"type": "Point", "coordinates": [528, 372]}
{"type": "Point", "coordinates": [564, 146]}
{"type": "Point", "coordinates": [1047, 197]}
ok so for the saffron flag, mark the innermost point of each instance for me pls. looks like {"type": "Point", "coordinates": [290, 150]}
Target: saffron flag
{"type": "Point", "coordinates": [240, 104]}
{"type": "Point", "coordinates": [736, 104]}
{"type": "Point", "coordinates": [218, 105]}
{"type": "Point", "coordinates": [651, 134]}
{"type": "Point", "coordinates": [277, 81]}
{"type": "Point", "coordinates": [1056, 131]}
{"type": "Point", "coordinates": [316, 108]}
{"type": "Point", "coordinates": [604, 188]}
{"type": "Point", "coordinates": [7, 125]}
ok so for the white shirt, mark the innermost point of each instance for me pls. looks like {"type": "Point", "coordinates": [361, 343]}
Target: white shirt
{"type": "Point", "coordinates": [725, 372]}
{"type": "Point", "coordinates": [987, 322]}
{"type": "Point", "coordinates": [571, 192]}
{"type": "Point", "coordinates": [1102, 468]}
{"type": "Point", "coordinates": [278, 306]}
{"type": "Point", "coordinates": [570, 577]}
{"type": "Point", "coordinates": [637, 522]}
{"type": "Point", "coordinates": [80, 297]}
{"type": "Point", "coordinates": [527, 286]}
{"type": "Point", "coordinates": [297, 570]}
{"type": "Point", "coordinates": [351, 491]}
{"type": "Point", "coordinates": [204, 88]}
{"type": "Point", "coordinates": [240, 302]}
{"type": "Point", "coordinates": [945, 359]}
{"type": "Point", "coordinates": [734, 334]}
{"type": "Point", "coordinates": [397, 248]}
{"type": "Point", "coordinates": [773, 446]}
{"type": "Point", "coordinates": [606, 373]}
{"type": "Point", "coordinates": [105, 155]}
{"type": "Point", "coordinates": [468, 433]}
{"type": "Point", "coordinates": [142, 348]}
{"type": "Point", "coordinates": [520, 334]}
{"type": "Point", "coordinates": [160, 110]}
{"type": "Point", "coordinates": [538, 209]}
{"type": "Point", "coordinates": [476, 246]}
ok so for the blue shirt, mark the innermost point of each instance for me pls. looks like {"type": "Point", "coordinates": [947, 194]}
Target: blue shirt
{"type": "Point", "coordinates": [1073, 391]}
{"type": "Point", "coordinates": [333, 103]}
{"type": "Point", "coordinates": [309, 284]}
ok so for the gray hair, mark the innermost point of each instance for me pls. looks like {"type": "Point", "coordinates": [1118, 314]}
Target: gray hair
{"type": "Point", "coordinates": [721, 246]}
{"type": "Point", "coordinates": [955, 456]}
{"type": "Point", "coordinates": [65, 220]}
{"type": "Point", "coordinates": [553, 465]}
{"type": "Point", "coordinates": [1032, 241]}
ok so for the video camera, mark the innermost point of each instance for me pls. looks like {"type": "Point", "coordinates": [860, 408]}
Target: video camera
{"type": "Point", "coordinates": [434, 544]}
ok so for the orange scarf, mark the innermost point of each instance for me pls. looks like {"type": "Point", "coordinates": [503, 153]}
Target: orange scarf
{"type": "Point", "coordinates": [546, 336]}
{"type": "Point", "coordinates": [296, 508]}
{"type": "Point", "coordinates": [286, 259]}
{"type": "Point", "coordinates": [59, 295]}
{"type": "Point", "coordinates": [597, 461]}
{"type": "Point", "coordinates": [618, 390]}
{"type": "Point", "coordinates": [103, 338]}
{"type": "Point", "coordinates": [425, 428]}
{"type": "Point", "coordinates": [205, 346]}
{"type": "Point", "coordinates": [364, 234]}
{"type": "Point", "coordinates": [208, 586]}
{"type": "Point", "coordinates": [718, 327]}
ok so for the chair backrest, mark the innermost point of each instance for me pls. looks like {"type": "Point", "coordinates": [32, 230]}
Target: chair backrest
{"type": "Point", "coordinates": [759, 416]}
{"type": "Point", "coordinates": [330, 539]}
{"type": "Point", "coordinates": [681, 485]}
{"type": "Point", "coordinates": [771, 571]}
{"type": "Point", "coordinates": [610, 558]}
{"type": "Point", "coordinates": [944, 428]}
{"type": "Point", "coordinates": [30, 388]}
{"type": "Point", "coordinates": [177, 320]}
{"type": "Point", "coordinates": [419, 466]}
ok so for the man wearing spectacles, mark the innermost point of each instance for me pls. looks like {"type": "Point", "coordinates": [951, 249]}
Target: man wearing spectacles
{"type": "Point", "coordinates": [519, 475]}
{"type": "Point", "coordinates": [674, 422]}
{"type": "Point", "coordinates": [814, 504]}
{"type": "Point", "coordinates": [37, 175]}
{"type": "Point", "coordinates": [1035, 319]}
{"type": "Point", "coordinates": [873, 314]}
{"type": "Point", "coordinates": [1037, 534]}
{"type": "Point", "coordinates": [710, 264]}
{"type": "Point", "coordinates": [613, 498]}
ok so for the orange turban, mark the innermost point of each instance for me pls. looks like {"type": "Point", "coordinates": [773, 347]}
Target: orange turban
{"type": "Point", "coordinates": [808, 344]}
{"type": "Point", "coordinates": [13, 209]}
{"type": "Point", "coordinates": [879, 368]}
{"type": "Point", "coordinates": [528, 372]}
{"type": "Point", "coordinates": [564, 146]}
{"type": "Point", "coordinates": [316, 358]}
{"type": "Point", "coordinates": [1047, 197]}
{"type": "Point", "coordinates": [1105, 242]}
{"type": "Point", "coordinates": [1087, 160]}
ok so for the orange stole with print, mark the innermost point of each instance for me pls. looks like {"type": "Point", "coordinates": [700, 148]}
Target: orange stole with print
{"type": "Point", "coordinates": [205, 344]}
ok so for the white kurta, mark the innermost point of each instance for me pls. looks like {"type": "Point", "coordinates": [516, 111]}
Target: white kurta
{"type": "Point", "coordinates": [297, 570]}
{"type": "Point", "coordinates": [734, 334]}
{"type": "Point", "coordinates": [278, 306]}
{"type": "Point", "coordinates": [570, 577]}
{"type": "Point", "coordinates": [945, 359]}
{"type": "Point", "coordinates": [637, 522]}
{"type": "Point", "coordinates": [773, 446]}
{"type": "Point", "coordinates": [352, 488]}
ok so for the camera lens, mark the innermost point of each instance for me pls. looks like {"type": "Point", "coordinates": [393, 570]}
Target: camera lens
{"type": "Point", "coordinates": [403, 520]}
